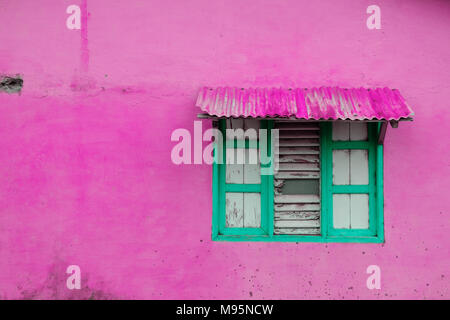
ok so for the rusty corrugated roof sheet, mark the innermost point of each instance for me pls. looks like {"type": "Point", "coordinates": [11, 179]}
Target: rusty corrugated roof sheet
{"type": "Point", "coordinates": [329, 103]}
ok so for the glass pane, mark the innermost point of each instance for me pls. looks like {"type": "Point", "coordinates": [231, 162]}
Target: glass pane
{"type": "Point", "coordinates": [304, 186]}
{"type": "Point", "coordinates": [359, 167]}
{"type": "Point", "coordinates": [359, 211]}
{"type": "Point", "coordinates": [349, 131]}
{"type": "Point", "coordinates": [252, 124]}
{"type": "Point", "coordinates": [243, 166]}
{"type": "Point", "coordinates": [351, 211]}
{"type": "Point", "coordinates": [350, 167]}
{"type": "Point", "coordinates": [234, 209]}
{"type": "Point", "coordinates": [252, 210]}
{"type": "Point", "coordinates": [341, 211]}
{"type": "Point", "coordinates": [242, 210]}
{"type": "Point", "coordinates": [341, 167]}
{"type": "Point", "coordinates": [252, 168]}
{"type": "Point", "coordinates": [234, 171]}
{"type": "Point", "coordinates": [233, 126]}
{"type": "Point", "coordinates": [358, 131]}
{"type": "Point", "coordinates": [341, 131]}
{"type": "Point", "coordinates": [235, 123]}
{"type": "Point", "coordinates": [245, 128]}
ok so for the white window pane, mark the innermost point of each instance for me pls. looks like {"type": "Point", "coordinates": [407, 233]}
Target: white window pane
{"type": "Point", "coordinates": [349, 131]}
{"type": "Point", "coordinates": [251, 123]}
{"type": "Point", "coordinates": [252, 174]}
{"type": "Point", "coordinates": [341, 131]}
{"type": "Point", "coordinates": [234, 209]}
{"type": "Point", "coordinates": [235, 129]}
{"type": "Point", "coordinates": [234, 155]}
{"type": "Point", "coordinates": [359, 208]}
{"type": "Point", "coordinates": [341, 211]}
{"type": "Point", "coordinates": [350, 167]}
{"type": "Point", "coordinates": [359, 167]}
{"type": "Point", "coordinates": [351, 211]}
{"type": "Point", "coordinates": [235, 123]}
{"type": "Point", "coordinates": [252, 210]}
{"type": "Point", "coordinates": [242, 210]}
{"type": "Point", "coordinates": [358, 131]}
{"type": "Point", "coordinates": [252, 168]}
{"type": "Point", "coordinates": [252, 128]}
{"type": "Point", "coordinates": [341, 167]}
{"type": "Point", "coordinates": [234, 171]}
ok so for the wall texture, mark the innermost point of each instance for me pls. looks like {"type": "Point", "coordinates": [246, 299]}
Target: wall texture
{"type": "Point", "coordinates": [85, 171]}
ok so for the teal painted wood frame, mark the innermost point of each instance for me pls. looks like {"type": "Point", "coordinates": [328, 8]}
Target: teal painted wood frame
{"type": "Point", "coordinates": [264, 188]}
{"type": "Point", "coordinates": [376, 163]}
{"type": "Point", "coordinates": [373, 188]}
{"type": "Point", "coordinates": [380, 188]}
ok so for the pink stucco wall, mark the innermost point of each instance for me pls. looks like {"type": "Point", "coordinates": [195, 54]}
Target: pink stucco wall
{"type": "Point", "coordinates": [85, 170]}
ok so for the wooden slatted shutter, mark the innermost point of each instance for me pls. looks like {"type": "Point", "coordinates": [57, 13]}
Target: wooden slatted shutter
{"type": "Point", "coordinates": [297, 182]}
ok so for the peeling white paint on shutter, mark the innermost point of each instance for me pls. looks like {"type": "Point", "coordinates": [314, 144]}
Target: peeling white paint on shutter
{"type": "Point", "coordinates": [234, 172]}
{"type": "Point", "coordinates": [242, 210]}
{"type": "Point", "coordinates": [294, 174]}
{"type": "Point", "coordinates": [298, 159]}
{"type": "Point", "coordinates": [297, 207]}
{"type": "Point", "coordinates": [298, 150]}
{"type": "Point", "coordinates": [300, 198]}
{"type": "Point", "coordinates": [234, 209]}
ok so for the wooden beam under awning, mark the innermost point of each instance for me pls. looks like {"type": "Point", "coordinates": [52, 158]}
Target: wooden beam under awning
{"type": "Point", "coordinates": [382, 132]}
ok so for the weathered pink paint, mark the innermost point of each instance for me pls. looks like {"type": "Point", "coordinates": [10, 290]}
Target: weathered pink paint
{"type": "Point", "coordinates": [305, 103]}
{"type": "Point", "coordinates": [85, 172]}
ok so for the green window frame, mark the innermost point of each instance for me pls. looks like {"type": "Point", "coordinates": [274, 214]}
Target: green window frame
{"type": "Point", "coordinates": [374, 188]}
{"type": "Point", "coordinates": [263, 188]}
{"type": "Point", "coordinates": [375, 232]}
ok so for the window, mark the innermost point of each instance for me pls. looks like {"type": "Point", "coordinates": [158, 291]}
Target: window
{"type": "Point", "coordinates": [243, 193]}
{"type": "Point", "coordinates": [306, 181]}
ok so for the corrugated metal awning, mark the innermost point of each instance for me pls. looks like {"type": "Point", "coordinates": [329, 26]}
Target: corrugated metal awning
{"type": "Point", "coordinates": [325, 103]}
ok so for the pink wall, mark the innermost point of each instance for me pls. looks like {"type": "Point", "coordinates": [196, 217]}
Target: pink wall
{"type": "Point", "coordinates": [85, 170]}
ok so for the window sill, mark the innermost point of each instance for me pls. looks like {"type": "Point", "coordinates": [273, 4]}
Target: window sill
{"type": "Point", "coordinates": [290, 238]}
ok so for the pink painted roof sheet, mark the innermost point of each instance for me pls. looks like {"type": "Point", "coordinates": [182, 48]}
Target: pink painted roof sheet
{"type": "Point", "coordinates": [325, 103]}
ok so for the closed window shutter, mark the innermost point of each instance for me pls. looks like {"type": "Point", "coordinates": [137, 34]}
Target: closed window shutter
{"type": "Point", "coordinates": [297, 182]}
{"type": "Point", "coordinates": [351, 179]}
{"type": "Point", "coordinates": [243, 189]}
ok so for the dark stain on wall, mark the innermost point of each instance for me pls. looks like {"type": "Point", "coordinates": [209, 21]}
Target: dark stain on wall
{"type": "Point", "coordinates": [11, 84]}
{"type": "Point", "coordinates": [54, 287]}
